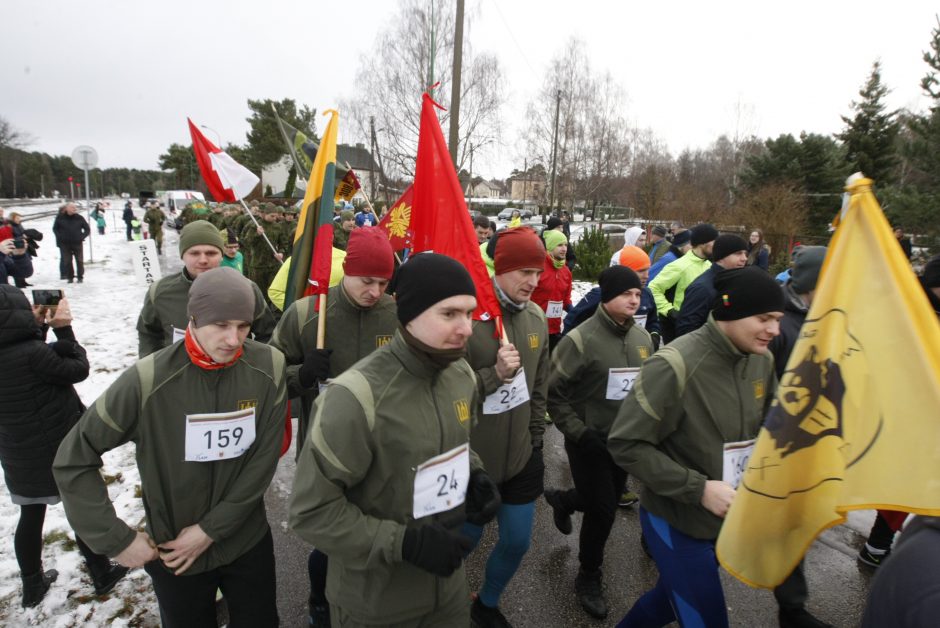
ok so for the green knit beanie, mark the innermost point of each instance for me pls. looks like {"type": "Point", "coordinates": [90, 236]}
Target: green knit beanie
{"type": "Point", "coordinates": [553, 238]}
{"type": "Point", "coordinates": [199, 232]}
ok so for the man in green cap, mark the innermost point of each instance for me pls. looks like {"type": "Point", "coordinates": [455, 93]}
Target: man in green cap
{"type": "Point", "coordinates": [162, 320]}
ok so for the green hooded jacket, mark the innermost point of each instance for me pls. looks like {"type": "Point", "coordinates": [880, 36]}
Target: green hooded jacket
{"type": "Point", "coordinates": [691, 397]}
{"type": "Point", "coordinates": [504, 441]}
{"type": "Point", "coordinates": [354, 485]}
{"type": "Point", "coordinates": [148, 405]}
{"type": "Point", "coordinates": [577, 386]}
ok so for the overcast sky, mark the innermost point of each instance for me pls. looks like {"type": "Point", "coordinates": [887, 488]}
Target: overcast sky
{"type": "Point", "coordinates": [122, 76]}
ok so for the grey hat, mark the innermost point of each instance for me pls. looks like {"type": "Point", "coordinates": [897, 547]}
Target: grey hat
{"type": "Point", "coordinates": [805, 271]}
{"type": "Point", "coordinates": [220, 294]}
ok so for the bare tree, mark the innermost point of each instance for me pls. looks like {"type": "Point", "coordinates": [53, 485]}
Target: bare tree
{"type": "Point", "coordinates": [392, 77]}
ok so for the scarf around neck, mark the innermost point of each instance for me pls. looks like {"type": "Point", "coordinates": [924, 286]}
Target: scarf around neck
{"type": "Point", "coordinates": [440, 358]}
{"type": "Point", "coordinates": [200, 358]}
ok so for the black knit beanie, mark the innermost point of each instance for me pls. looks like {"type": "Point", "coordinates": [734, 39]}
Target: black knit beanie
{"type": "Point", "coordinates": [727, 244]}
{"type": "Point", "coordinates": [703, 233]}
{"type": "Point", "coordinates": [932, 272]}
{"type": "Point", "coordinates": [616, 280]}
{"type": "Point", "coordinates": [426, 279]}
{"type": "Point", "coordinates": [743, 292]}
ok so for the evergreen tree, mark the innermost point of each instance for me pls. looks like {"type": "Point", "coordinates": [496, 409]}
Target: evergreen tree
{"type": "Point", "coordinates": [265, 141]}
{"type": "Point", "coordinates": [870, 134]}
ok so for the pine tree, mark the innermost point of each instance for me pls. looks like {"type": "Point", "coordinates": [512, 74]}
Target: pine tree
{"type": "Point", "coordinates": [870, 134]}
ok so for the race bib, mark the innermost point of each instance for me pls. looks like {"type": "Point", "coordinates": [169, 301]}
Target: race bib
{"type": "Point", "coordinates": [219, 436]}
{"type": "Point", "coordinates": [736, 456]}
{"type": "Point", "coordinates": [640, 321]}
{"type": "Point", "coordinates": [507, 396]}
{"type": "Point", "coordinates": [441, 482]}
{"type": "Point", "coordinates": [620, 382]}
{"type": "Point", "coordinates": [178, 334]}
{"type": "Point", "coordinates": [556, 309]}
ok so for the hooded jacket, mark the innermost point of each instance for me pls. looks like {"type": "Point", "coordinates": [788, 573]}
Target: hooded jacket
{"type": "Point", "coordinates": [148, 405]}
{"type": "Point", "coordinates": [39, 403]}
{"type": "Point", "coordinates": [691, 397]}
{"type": "Point", "coordinates": [554, 285]}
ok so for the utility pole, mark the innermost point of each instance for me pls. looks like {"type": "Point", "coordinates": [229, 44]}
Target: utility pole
{"type": "Point", "coordinates": [551, 202]}
{"type": "Point", "coordinates": [455, 86]}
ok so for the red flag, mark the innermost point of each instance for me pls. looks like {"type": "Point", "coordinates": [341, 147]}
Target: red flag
{"type": "Point", "coordinates": [440, 221]}
{"type": "Point", "coordinates": [397, 221]}
{"type": "Point", "coordinates": [226, 179]}
{"type": "Point", "coordinates": [319, 280]}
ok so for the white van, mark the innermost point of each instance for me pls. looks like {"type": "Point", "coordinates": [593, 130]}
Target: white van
{"type": "Point", "coordinates": [175, 200]}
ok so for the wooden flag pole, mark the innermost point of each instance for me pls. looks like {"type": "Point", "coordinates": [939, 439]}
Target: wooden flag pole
{"type": "Point", "coordinates": [263, 234]}
{"type": "Point", "coordinates": [321, 321]}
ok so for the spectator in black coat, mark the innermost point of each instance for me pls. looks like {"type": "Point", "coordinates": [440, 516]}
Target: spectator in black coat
{"type": "Point", "coordinates": [128, 218]}
{"type": "Point", "coordinates": [71, 229]}
{"type": "Point", "coordinates": [39, 407]}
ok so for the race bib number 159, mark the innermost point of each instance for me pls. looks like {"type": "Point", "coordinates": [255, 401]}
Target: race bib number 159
{"type": "Point", "coordinates": [219, 436]}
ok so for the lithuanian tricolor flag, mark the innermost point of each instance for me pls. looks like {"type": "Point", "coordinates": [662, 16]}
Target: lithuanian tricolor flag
{"type": "Point", "coordinates": [317, 210]}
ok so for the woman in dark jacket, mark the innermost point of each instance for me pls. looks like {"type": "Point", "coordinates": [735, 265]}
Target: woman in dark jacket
{"type": "Point", "coordinates": [758, 253]}
{"type": "Point", "coordinates": [39, 407]}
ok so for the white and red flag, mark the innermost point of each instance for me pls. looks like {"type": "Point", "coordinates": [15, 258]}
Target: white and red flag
{"type": "Point", "coordinates": [226, 179]}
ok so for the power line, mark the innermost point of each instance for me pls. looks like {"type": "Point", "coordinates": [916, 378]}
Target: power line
{"type": "Point", "coordinates": [513, 37]}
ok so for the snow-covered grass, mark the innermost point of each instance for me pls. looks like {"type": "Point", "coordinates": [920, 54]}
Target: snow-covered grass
{"type": "Point", "coordinates": [105, 309]}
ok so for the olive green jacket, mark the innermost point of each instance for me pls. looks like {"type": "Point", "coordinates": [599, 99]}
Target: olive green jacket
{"type": "Point", "coordinates": [354, 485]}
{"type": "Point", "coordinates": [154, 219]}
{"type": "Point", "coordinates": [165, 308]}
{"type": "Point", "coordinates": [577, 386]}
{"type": "Point", "coordinates": [147, 405]}
{"type": "Point", "coordinates": [352, 333]}
{"type": "Point", "coordinates": [504, 441]}
{"type": "Point", "coordinates": [690, 398]}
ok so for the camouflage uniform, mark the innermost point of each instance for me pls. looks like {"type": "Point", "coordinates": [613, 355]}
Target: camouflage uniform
{"type": "Point", "coordinates": [154, 219]}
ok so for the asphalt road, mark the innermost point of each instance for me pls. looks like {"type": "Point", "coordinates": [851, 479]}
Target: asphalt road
{"type": "Point", "coordinates": [542, 592]}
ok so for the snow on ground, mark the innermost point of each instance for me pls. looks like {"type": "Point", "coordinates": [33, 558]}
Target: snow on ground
{"type": "Point", "coordinates": [105, 309]}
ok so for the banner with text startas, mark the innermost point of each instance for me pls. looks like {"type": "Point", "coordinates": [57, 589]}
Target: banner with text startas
{"type": "Point", "coordinates": [440, 221]}
{"type": "Point", "coordinates": [853, 425]}
{"type": "Point", "coordinates": [316, 211]}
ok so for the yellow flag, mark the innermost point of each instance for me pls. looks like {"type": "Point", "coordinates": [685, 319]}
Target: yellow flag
{"type": "Point", "coordinates": [854, 425]}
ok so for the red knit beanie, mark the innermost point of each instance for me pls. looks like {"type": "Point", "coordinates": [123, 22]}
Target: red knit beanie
{"type": "Point", "coordinates": [369, 254]}
{"type": "Point", "coordinates": [518, 248]}
{"type": "Point", "coordinates": [6, 232]}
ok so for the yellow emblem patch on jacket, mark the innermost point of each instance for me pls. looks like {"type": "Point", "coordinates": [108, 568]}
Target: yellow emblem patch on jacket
{"type": "Point", "coordinates": [381, 341]}
{"type": "Point", "coordinates": [533, 341]}
{"type": "Point", "coordinates": [759, 389]}
{"type": "Point", "coordinates": [244, 404]}
{"type": "Point", "coordinates": [644, 352]}
{"type": "Point", "coordinates": [462, 409]}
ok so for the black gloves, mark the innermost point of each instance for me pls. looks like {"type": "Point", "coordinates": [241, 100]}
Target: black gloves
{"type": "Point", "coordinates": [592, 442]}
{"type": "Point", "coordinates": [435, 549]}
{"type": "Point", "coordinates": [656, 338]}
{"type": "Point", "coordinates": [672, 314]}
{"type": "Point", "coordinates": [316, 367]}
{"type": "Point", "coordinates": [483, 498]}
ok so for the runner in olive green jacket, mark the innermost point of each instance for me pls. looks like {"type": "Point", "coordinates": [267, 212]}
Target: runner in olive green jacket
{"type": "Point", "coordinates": [203, 478]}
{"type": "Point", "coordinates": [508, 437]}
{"type": "Point", "coordinates": [162, 319]}
{"type": "Point", "coordinates": [355, 493]}
{"type": "Point", "coordinates": [680, 432]}
{"type": "Point", "coordinates": [589, 380]}
{"type": "Point", "coordinates": [360, 318]}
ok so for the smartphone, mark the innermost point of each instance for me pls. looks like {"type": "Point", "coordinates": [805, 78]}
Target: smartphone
{"type": "Point", "coordinates": [47, 297]}
{"type": "Point", "coordinates": [19, 243]}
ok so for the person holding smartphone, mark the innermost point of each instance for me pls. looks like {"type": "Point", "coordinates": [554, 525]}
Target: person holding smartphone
{"type": "Point", "coordinates": [14, 262]}
{"type": "Point", "coordinates": [39, 407]}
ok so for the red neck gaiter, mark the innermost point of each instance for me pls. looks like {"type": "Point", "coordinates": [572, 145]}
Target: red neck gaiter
{"type": "Point", "coordinates": [200, 358]}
